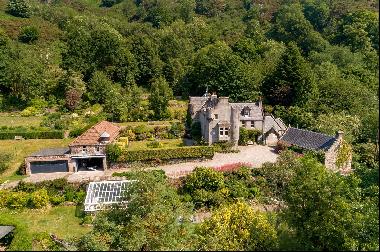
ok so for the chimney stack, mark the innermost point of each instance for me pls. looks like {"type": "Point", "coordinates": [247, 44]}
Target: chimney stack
{"type": "Point", "coordinates": [339, 135]}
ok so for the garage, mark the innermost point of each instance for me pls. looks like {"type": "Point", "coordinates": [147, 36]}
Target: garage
{"type": "Point", "coordinates": [49, 166]}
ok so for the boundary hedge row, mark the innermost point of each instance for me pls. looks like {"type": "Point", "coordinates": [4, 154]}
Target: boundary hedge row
{"type": "Point", "coordinates": [52, 134]}
{"type": "Point", "coordinates": [167, 153]}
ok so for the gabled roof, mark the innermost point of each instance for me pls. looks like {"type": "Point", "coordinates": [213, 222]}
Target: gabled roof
{"type": "Point", "coordinates": [4, 230]}
{"type": "Point", "coordinates": [92, 135]}
{"type": "Point", "coordinates": [51, 152]}
{"type": "Point", "coordinates": [307, 139]}
{"type": "Point", "coordinates": [276, 123]}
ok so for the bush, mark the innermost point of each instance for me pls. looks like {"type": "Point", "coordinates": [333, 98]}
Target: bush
{"type": "Point", "coordinates": [30, 111]}
{"type": "Point", "coordinates": [246, 135]}
{"type": "Point", "coordinates": [39, 198]}
{"type": "Point", "coordinates": [28, 34]}
{"type": "Point", "coordinates": [224, 147]}
{"type": "Point", "coordinates": [196, 132]}
{"type": "Point", "coordinates": [17, 200]}
{"type": "Point", "coordinates": [167, 153]}
{"type": "Point", "coordinates": [109, 3]}
{"type": "Point", "coordinates": [203, 178]}
{"type": "Point", "coordinates": [18, 8]}
{"type": "Point", "coordinates": [56, 200]}
{"type": "Point", "coordinates": [5, 158]}
{"type": "Point", "coordinates": [113, 152]}
{"type": "Point", "coordinates": [154, 144]}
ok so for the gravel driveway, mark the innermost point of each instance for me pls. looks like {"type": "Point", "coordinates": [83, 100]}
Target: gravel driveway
{"type": "Point", "coordinates": [256, 155]}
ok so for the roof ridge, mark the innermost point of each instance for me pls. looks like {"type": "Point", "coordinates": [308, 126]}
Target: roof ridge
{"type": "Point", "coordinates": [313, 132]}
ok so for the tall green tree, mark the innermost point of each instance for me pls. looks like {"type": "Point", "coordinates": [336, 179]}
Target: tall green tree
{"type": "Point", "coordinates": [291, 83]}
{"type": "Point", "coordinates": [160, 94]}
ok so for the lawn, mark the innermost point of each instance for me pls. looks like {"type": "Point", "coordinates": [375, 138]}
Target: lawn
{"type": "Point", "coordinates": [8, 120]}
{"type": "Point", "coordinates": [19, 149]}
{"type": "Point", "coordinates": [60, 220]}
{"type": "Point", "coordinates": [142, 145]}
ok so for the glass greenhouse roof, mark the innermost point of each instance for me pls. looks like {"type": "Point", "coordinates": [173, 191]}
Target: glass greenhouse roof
{"type": "Point", "coordinates": [104, 193]}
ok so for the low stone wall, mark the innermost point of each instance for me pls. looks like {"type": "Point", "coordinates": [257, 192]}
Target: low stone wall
{"type": "Point", "coordinates": [28, 160]}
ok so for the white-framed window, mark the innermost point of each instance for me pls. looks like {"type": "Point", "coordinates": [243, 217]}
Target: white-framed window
{"type": "Point", "coordinates": [226, 131]}
{"type": "Point", "coordinates": [216, 116]}
{"type": "Point", "coordinates": [246, 112]}
{"type": "Point", "coordinates": [221, 131]}
{"type": "Point", "coordinates": [252, 124]}
{"type": "Point", "coordinates": [243, 124]}
{"type": "Point", "coordinates": [84, 148]}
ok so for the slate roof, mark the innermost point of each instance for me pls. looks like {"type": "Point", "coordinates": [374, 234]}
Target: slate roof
{"type": "Point", "coordinates": [51, 152]}
{"type": "Point", "coordinates": [307, 139]}
{"type": "Point", "coordinates": [4, 230]}
{"type": "Point", "coordinates": [92, 135]}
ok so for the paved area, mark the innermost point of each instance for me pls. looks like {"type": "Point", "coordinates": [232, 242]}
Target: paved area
{"type": "Point", "coordinates": [255, 155]}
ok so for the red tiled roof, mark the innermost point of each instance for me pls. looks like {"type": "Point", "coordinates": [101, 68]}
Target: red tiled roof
{"type": "Point", "coordinates": [92, 135]}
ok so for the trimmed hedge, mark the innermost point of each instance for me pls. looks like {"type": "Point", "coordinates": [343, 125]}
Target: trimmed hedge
{"type": "Point", "coordinates": [167, 153]}
{"type": "Point", "coordinates": [52, 134]}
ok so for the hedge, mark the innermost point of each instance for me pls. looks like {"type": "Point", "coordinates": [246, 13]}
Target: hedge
{"type": "Point", "coordinates": [52, 134]}
{"type": "Point", "coordinates": [167, 153]}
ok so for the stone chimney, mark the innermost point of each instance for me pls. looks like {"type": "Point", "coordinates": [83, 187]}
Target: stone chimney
{"type": "Point", "coordinates": [339, 135]}
{"type": "Point", "coordinates": [223, 100]}
{"type": "Point", "coordinates": [260, 102]}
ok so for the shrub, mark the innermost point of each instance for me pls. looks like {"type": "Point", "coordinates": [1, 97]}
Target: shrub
{"type": "Point", "coordinates": [18, 8]}
{"type": "Point", "coordinates": [224, 147]}
{"type": "Point", "coordinates": [3, 198]}
{"type": "Point", "coordinates": [154, 144]}
{"type": "Point", "coordinates": [109, 3]}
{"type": "Point", "coordinates": [28, 34]}
{"type": "Point", "coordinates": [177, 129]}
{"type": "Point", "coordinates": [39, 198]}
{"type": "Point", "coordinates": [30, 111]}
{"type": "Point", "coordinates": [57, 200]}
{"type": "Point", "coordinates": [17, 199]}
{"type": "Point", "coordinates": [5, 158]}
{"type": "Point", "coordinates": [167, 153]}
{"type": "Point", "coordinates": [246, 135]}
{"type": "Point", "coordinates": [203, 178]}
{"type": "Point", "coordinates": [196, 132]}
{"type": "Point", "coordinates": [114, 152]}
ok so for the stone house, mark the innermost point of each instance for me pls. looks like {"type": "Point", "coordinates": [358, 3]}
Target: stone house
{"type": "Point", "coordinates": [86, 152]}
{"type": "Point", "coordinates": [328, 145]}
{"type": "Point", "coordinates": [221, 120]}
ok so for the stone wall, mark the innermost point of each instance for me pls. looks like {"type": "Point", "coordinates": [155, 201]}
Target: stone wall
{"type": "Point", "coordinates": [90, 149]}
{"type": "Point", "coordinates": [331, 156]}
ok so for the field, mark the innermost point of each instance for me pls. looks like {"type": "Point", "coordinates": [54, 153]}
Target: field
{"type": "Point", "coordinates": [60, 220]}
{"type": "Point", "coordinates": [19, 149]}
{"type": "Point", "coordinates": [9, 120]}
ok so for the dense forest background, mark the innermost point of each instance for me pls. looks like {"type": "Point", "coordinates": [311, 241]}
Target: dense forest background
{"type": "Point", "coordinates": [313, 62]}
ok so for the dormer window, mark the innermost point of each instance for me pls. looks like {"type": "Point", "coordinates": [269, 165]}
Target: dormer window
{"type": "Point", "coordinates": [246, 111]}
{"type": "Point", "coordinates": [104, 137]}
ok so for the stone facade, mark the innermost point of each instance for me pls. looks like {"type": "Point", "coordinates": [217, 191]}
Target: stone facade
{"type": "Point", "coordinates": [221, 120]}
{"type": "Point", "coordinates": [30, 159]}
{"type": "Point", "coordinates": [331, 156]}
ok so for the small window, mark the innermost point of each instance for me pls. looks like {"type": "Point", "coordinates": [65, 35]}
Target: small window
{"type": "Point", "coordinates": [216, 116]}
{"type": "Point", "coordinates": [252, 124]}
{"type": "Point", "coordinates": [243, 124]}
{"type": "Point", "coordinates": [84, 148]}
{"type": "Point", "coordinates": [246, 112]}
{"type": "Point", "coordinates": [226, 131]}
{"type": "Point", "coordinates": [221, 131]}
{"type": "Point", "coordinates": [97, 148]}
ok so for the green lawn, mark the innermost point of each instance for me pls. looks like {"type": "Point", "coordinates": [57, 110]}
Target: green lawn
{"type": "Point", "coordinates": [167, 143]}
{"type": "Point", "coordinates": [60, 220]}
{"type": "Point", "coordinates": [19, 149]}
{"type": "Point", "coordinates": [8, 120]}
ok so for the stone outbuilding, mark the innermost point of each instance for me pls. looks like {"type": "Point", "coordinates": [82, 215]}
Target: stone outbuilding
{"type": "Point", "coordinates": [329, 145]}
{"type": "Point", "coordinates": [86, 152]}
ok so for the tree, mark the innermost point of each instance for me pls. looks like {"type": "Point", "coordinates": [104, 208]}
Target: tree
{"type": "Point", "coordinates": [237, 227]}
{"type": "Point", "coordinates": [74, 89]}
{"type": "Point", "coordinates": [291, 83]}
{"type": "Point", "coordinates": [291, 25]}
{"type": "Point", "coordinates": [19, 8]}
{"type": "Point", "coordinates": [155, 219]}
{"type": "Point", "coordinates": [326, 211]}
{"type": "Point", "coordinates": [217, 68]}
{"type": "Point", "coordinates": [98, 87]}
{"type": "Point", "coordinates": [160, 94]}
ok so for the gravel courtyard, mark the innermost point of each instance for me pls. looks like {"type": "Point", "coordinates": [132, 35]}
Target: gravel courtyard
{"type": "Point", "coordinates": [256, 155]}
